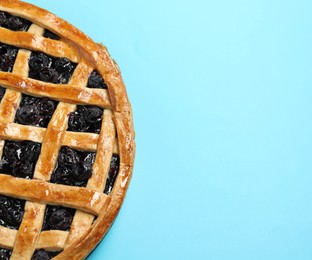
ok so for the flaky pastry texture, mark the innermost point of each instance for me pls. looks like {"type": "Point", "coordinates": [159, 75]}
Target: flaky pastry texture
{"type": "Point", "coordinates": [96, 210]}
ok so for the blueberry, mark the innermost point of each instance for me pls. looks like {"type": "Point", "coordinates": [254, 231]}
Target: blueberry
{"type": "Point", "coordinates": [11, 51]}
{"type": "Point", "coordinates": [63, 78]}
{"type": "Point", "coordinates": [4, 204]}
{"type": "Point", "coordinates": [60, 219]}
{"type": "Point", "coordinates": [46, 107]}
{"type": "Point", "coordinates": [2, 92]}
{"type": "Point", "coordinates": [22, 169]}
{"type": "Point", "coordinates": [5, 254]}
{"type": "Point", "coordinates": [48, 75]}
{"type": "Point", "coordinates": [28, 115]}
{"type": "Point", "coordinates": [3, 18]}
{"type": "Point", "coordinates": [32, 151]}
{"type": "Point", "coordinates": [86, 170]}
{"type": "Point", "coordinates": [96, 81]}
{"type": "Point", "coordinates": [14, 214]}
{"type": "Point", "coordinates": [65, 68]}
{"type": "Point", "coordinates": [64, 65]}
{"type": "Point", "coordinates": [4, 49]}
{"type": "Point", "coordinates": [88, 158]}
{"type": "Point", "coordinates": [44, 255]}
{"type": "Point", "coordinates": [68, 156]}
{"type": "Point", "coordinates": [61, 175]}
{"type": "Point", "coordinates": [93, 115]}
{"type": "Point", "coordinates": [57, 218]}
{"type": "Point", "coordinates": [19, 158]}
{"type": "Point", "coordinates": [14, 217]}
{"type": "Point", "coordinates": [12, 151]}
{"type": "Point", "coordinates": [86, 119]}
{"type": "Point", "coordinates": [112, 174]}
{"type": "Point", "coordinates": [7, 57]}
{"type": "Point", "coordinates": [48, 34]}
{"type": "Point", "coordinates": [15, 23]}
{"type": "Point", "coordinates": [50, 69]}
{"type": "Point", "coordinates": [5, 63]}
{"type": "Point", "coordinates": [81, 109]}
{"type": "Point", "coordinates": [28, 100]}
{"type": "Point", "coordinates": [35, 111]}
{"type": "Point", "coordinates": [81, 172]}
{"type": "Point", "coordinates": [77, 123]}
{"type": "Point", "coordinates": [73, 172]}
{"type": "Point", "coordinates": [11, 212]}
{"type": "Point", "coordinates": [40, 255]}
{"type": "Point", "coordinates": [39, 60]}
{"type": "Point", "coordinates": [5, 166]}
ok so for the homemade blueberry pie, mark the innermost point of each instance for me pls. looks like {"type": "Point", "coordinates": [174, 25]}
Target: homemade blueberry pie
{"type": "Point", "coordinates": [67, 139]}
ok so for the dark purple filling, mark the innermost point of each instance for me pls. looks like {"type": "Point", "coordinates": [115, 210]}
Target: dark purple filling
{"type": "Point", "coordinates": [13, 23]}
{"type": "Point", "coordinates": [112, 174]}
{"type": "Point", "coordinates": [43, 255]}
{"type": "Point", "coordinates": [5, 254]}
{"type": "Point", "coordinates": [58, 218]}
{"type": "Point", "coordinates": [7, 57]}
{"type": "Point", "coordinates": [73, 168]}
{"type": "Point", "coordinates": [11, 212]}
{"type": "Point", "coordinates": [86, 119]}
{"type": "Point", "coordinates": [50, 69]}
{"type": "Point", "coordinates": [48, 34]}
{"type": "Point", "coordinates": [35, 111]}
{"type": "Point", "coordinates": [96, 81]}
{"type": "Point", "coordinates": [19, 158]}
{"type": "Point", "coordinates": [2, 92]}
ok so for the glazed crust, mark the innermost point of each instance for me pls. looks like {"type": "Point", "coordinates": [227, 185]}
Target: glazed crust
{"type": "Point", "coordinates": [86, 232]}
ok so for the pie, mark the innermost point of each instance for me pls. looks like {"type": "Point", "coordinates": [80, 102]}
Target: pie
{"type": "Point", "coordinates": [67, 140]}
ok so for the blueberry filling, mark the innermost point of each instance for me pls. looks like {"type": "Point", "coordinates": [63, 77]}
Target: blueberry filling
{"type": "Point", "coordinates": [43, 255]}
{"type": "Point", "coordinates": [96, 81]}
{"type": "Point", "coordinates": [48, 34]}
{"type": "Point", "coordinates": [11, 212]}
{"type": "Point", "coordinates": [58, 218]}
{"type": "Point", "coordinates": [73, 168]}
{"type": "Point", "coordinates": [7, 57]}
{"type": "Point", "coordinates": [112, 174]}
{"type": "Point", "coordinates": [86, 119]}
{"type": "Point", "coordinates": [5, 254]}
{"type": "Point", "coordinates": [19, 158]}
{"type": "Point", "coordinates": [13, 23]}
{"type": "Point", "coordinates": [50, 69]}
{"type": "Point", "coordinates": [35, 111]}
{"type": "Point", "coordinates": [2, 92]}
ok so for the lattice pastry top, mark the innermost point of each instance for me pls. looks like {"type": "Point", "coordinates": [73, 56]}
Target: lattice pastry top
{"type": "Point", "coordinates": [67, 138]}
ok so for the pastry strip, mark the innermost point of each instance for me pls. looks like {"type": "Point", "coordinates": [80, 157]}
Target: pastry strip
{"type": "Point", "coordinates": [51, 193]}
{"type": "Point", "coordinates": [34, 42]}
{"type": "Point", "coordinates": [8, 109]}
{"type": "Point", "coordinates": [82, 220]}
{"type": "Point", "coordinates": [53, 240]}
{"type": "Point", "coordinates": [89, 56]}
{"type": "Point", "coordinates": [28, 233]}
{"type": "Point", "coordinates": [75, 140]}
{"type": "Point", "coordinates": [25, 242]}
{"type": "Point", "coordinates": [62, 92]}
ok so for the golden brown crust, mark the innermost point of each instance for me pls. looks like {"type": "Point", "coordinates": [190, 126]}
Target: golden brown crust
{"type": "Point", "coordinates": [38, 43]}
{"type": "Point", "coordinates": [52, 240]}
{"type": "Point", "coordinates": [67, 93]}
{"type": "Point", "coordinates": [78, 47]}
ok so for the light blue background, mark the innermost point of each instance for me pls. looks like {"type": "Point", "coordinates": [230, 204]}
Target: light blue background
{"type": "Point", "coordinates": [221, 94]}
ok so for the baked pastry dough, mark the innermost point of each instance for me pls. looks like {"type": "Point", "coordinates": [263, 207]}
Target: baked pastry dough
{"type": "Point", "coordinates": [67, 139]}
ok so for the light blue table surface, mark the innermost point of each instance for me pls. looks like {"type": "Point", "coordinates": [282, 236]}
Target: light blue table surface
{"type": "Point", "coordinates": [221, 95]}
